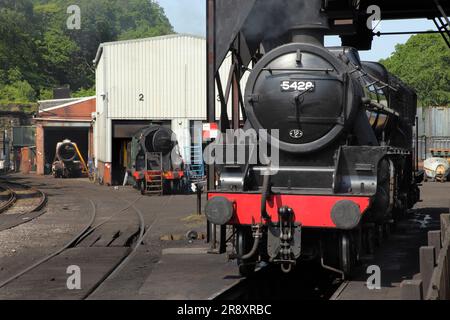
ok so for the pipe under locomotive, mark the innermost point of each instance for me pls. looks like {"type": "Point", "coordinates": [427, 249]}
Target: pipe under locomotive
{"type": "Point", "coordinates": [346, 163]}
{"type": "Point", "coordinates": [157, 165]}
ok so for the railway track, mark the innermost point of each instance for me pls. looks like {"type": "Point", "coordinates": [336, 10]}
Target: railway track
{"type": "Point", "coordinates": [19, 204]}
{"type": "Point", "coordinates": [8, 197]}
{"type": "Point", "coordinates": [307, 282]}
{"type": "Point", "coordinates": [94, 225]}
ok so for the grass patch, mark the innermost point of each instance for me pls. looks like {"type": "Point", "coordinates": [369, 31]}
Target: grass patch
{"type": "Point", "coordinates": [194, 220]}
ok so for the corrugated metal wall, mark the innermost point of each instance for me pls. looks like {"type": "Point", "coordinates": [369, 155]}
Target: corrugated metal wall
{"type": "Point", "coordinates": [434, 130]}
{"type": "Point", "coordinates": [157, 78]}
{"type": "Point", "coordinates": [100, 125]}
{"type": "Point", "coordinates": [434, 121]}
{"type": "Point", "coordinates": [161, 78]}
{"type": "Point", "coordinates": [428, 143]}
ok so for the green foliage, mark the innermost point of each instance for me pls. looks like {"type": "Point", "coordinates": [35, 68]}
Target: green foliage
{"type": "Point", "coordinates": [13, 88]}
{"type": "Point", "coordinates": [45, 94]}
{"type": "Point", "coordinates": [89, 92]}
{"type": "Point", "coordinates": [17, 92]}
{"type": "Point", "coordinates": [424, 63]}
{"type": "Point", "coordinates": [38, 51]}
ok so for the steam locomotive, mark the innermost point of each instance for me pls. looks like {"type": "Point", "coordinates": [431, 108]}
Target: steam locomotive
{"type": "Point", "coordinates": [68, 161]}
{"type": "Point", "coordinates": [344, 133]}
{"type": "Point", "coordinates": [157, 166]}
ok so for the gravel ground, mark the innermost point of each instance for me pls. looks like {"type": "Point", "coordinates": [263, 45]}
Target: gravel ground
{"type": "Point", "coordinates": [69, 209]}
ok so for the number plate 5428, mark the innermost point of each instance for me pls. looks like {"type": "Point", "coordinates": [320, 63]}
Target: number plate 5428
{"type": "Point", "coordinates": [291, 85]}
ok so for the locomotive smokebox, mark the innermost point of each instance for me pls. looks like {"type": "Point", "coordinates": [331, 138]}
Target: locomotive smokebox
{"type": "Point", "coordinates": [158, 139]}
{"type": "Point", "coordinates": [66, 151]}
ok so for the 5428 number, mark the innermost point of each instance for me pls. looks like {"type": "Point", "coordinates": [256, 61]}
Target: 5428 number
{"type": "Point", "coordinates": [290, 86]}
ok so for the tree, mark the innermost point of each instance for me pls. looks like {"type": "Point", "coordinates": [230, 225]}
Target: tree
{"type": "Point", "coordinates": [17, 48]}
{"type": "Point", "coordinates": [15, 89]}
{"type": "Point", "coordinates": [36, 43]}
{"type": "Point", "coordinates": [423, 62]}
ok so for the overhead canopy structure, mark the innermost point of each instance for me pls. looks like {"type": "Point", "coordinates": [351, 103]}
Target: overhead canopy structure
{"type": "Point", "coordinates": [244, 27]}
{"type": "Point", "coordinates": [259, 20]}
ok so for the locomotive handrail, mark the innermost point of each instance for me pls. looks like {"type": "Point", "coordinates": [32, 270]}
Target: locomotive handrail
{"type": "Point", "coordinates": [376, 80]}
{"type": "Point", "coordinates": [327, 70]}
{"type": "Point", "coordinates": [317, 120]}
{"type": "Point", "coordinates": [382, 108]}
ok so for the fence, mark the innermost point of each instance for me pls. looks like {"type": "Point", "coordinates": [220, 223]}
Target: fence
{"type": "Point", "coordinates": [433, 282]}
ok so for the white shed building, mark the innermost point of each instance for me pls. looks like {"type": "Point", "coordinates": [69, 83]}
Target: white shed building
{"type": "Point", "coordinates": [161, 79]}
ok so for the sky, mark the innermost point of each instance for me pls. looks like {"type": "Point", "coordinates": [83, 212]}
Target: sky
{"type": "Point", "coordinates": [189, 16]}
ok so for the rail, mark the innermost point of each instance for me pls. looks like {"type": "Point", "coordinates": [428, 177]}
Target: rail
{"type": "Point", "coordinates": [433, 281]}
{"type": "Point", "coordinates": [5, 205]}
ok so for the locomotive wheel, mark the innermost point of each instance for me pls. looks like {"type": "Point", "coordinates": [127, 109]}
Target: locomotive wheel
{"type": "Point", "coordinates": [387, 230]}
{"type": "Point", "coordinates": [370, 240]}
{"type": "Point", "coordinates": [346, 253]}
{"type": "Point", "coordinates": [379, 235]}
{"type": "Point", "coordinates": [244, 243]}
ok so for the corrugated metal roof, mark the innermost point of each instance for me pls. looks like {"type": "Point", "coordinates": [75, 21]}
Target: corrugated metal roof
{"type": "Point", "coordinates": [159, 38]}
{"type": "Point", "coordinates": [65, 103]}
{"type": "Point", "coordinates": [45, 104]}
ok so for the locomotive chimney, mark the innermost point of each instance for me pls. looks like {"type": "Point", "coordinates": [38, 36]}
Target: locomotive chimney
{"type": "Point", "coordinates": [309, 23]}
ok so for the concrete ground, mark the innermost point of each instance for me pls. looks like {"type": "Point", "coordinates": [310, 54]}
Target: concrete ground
{"type": "Point", "coordinates": [398, 258]}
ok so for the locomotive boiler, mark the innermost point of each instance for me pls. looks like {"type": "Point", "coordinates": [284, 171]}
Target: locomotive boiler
{"type": "Point", "coordinates": [343, 131]}
{"type": "Point", "coordinates": [68, 162]}
{"type": "Point", "coordinates": [157, 165]}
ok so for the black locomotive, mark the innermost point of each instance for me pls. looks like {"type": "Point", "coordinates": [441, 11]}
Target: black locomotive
{"type": "Point", "coordinates": [157, 165]}
{"type": "Point", "coordinates": [346, 159]}
{"type": "Point", "coordinates": [68, 162]}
